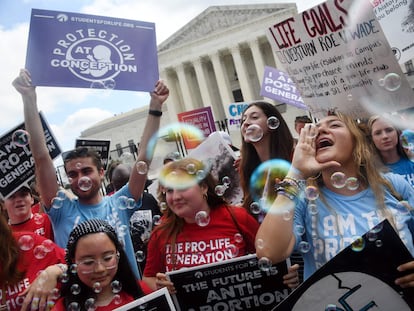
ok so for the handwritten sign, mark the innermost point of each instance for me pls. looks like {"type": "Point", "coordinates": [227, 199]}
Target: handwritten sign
{"type": "Point", "coordinates": [340, 66]}
{"type": "Point", "coordinates": [278, 85]}
{"type": "Point", "coordinates": [89, 51]}
{"type": "Point", "coordinates": [16, 161]}
{"type": "Point", "coordinates": [159, 300]}
{"type": "Point", "coordinates": [235, 284]}
{"type": "Point", "coordinates": [360, 279]}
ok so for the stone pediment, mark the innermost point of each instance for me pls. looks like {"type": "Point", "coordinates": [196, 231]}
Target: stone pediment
{"type": "Point", "coordinates": [217, 18]}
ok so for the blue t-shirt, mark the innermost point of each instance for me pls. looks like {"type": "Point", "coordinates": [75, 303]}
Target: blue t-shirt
{"type": "Point", "coordinates": [111, 208]}
{"type": "Point", "coordinates": [334, 227]}
{"type": "Point", "coordinates": [403, 167]}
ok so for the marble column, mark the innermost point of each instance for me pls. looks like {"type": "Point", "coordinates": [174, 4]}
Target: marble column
{"type": "Point", "coordinates": [241, 74]}
{"type": "Point", "coordinates": [185, 89]}
{"type": "Point", "coordinates": [222, 80]}
{"type": "Point", "coordinates": [202, 82]}
{"type": "Point", "coordinates": [173, 106]}
{"type": "Point", "coordinates": [258, 59]}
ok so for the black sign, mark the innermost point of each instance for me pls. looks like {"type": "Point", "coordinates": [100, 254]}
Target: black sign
{"type": "Point", "coordinates": [16, 161]}
{"type": "Point", "coordinates": [237, 284]}
{"type": "Point", "coordinates": [158, 300]}
{"type": "Point", "coordinates": [361, 277]}
{"type": "Point", "coordinates": [100, 146]}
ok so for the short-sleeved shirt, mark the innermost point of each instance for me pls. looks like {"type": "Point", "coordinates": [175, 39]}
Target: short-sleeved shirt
{"type": "Point", "coordinates": [39, 223]}
{"type": "Point", "coordinates": [122, 299]}
{"type": "Point", "coordinates": [111, 209]}
{"type": "Point", "coordinates": [32, 260]}
{"type": "Point", "coordinates": [335, 226]}
{"type": "Point", "coordinates": [195, 245]}
{"type": "Point", "coordinates": [403, 167]}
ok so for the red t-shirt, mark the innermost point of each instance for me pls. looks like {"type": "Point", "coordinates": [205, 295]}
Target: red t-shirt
{"type": "Point", "coordinates": [36, 208]}
{"type": "Point", "coordinates": [221, 239]}
{"type": "Point", "coordinates": [122, 299]}
{"type": "Point", "coordinates": [31, 261]}
{"type": "Point", "coordinates": [38, 223]}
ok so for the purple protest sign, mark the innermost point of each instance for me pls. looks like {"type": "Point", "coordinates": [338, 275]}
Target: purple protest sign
{"type": "Point", "coordinates": [201, 118]}
{"type": "Point", "coordinates": [277, 85]}
{"type": "Point", "coordinates": [89, 51]}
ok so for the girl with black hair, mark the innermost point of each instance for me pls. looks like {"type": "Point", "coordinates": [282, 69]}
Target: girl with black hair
{"type": "Point", "coordinates": [99, 276]}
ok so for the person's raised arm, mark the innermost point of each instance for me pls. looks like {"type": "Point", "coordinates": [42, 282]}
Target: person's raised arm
{"type": "Point", "coordinates": [45, 170]}
{"type": "Point", "coordinates": [158, 97]}
{"type": "Point", "coordinates": [275, 239]}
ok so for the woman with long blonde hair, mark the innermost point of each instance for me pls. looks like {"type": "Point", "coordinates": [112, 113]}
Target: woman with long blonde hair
{"type": "Point", "coordinates": [345, 196]}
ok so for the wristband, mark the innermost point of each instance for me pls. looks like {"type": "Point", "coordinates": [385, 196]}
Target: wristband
{"type": "Point", "coordinates": [155, 113]}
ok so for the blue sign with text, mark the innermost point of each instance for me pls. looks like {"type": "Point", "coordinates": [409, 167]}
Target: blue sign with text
{"type": "Point", "coordinates": [88, 51]}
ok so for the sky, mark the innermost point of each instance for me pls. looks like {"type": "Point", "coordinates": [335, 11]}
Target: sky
{"type": "Point", "coordinates": [70, 111]}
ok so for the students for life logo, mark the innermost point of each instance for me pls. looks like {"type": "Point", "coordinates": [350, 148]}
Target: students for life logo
{"type": "Point", "coordinates": [93, 54]}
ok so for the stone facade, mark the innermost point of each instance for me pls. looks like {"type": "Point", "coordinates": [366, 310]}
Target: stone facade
{"type": "Point", "coordinates": [217, 58]}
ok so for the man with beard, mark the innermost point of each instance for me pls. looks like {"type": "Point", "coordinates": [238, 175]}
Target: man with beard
{"type": "Point", "coordinates": [86, 174]}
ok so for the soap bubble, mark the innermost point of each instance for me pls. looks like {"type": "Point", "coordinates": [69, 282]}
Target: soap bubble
{"type": "Point", "coordinates": [254, 133]}
{"type": "Point", "coordinates": [85, 183]}
{"type": "Point", "coordinates": [26, 242]}
{"type": "Point", "coordinates": [202, 218]}
{"type": "Point", "coordinates": [273, 122]}
{"type": "Point", "coordinates": [20, 138]}
{"type": "Point", "coordinates": [171, 137]}
{"type": "Point", "coordinates": [263, 181]}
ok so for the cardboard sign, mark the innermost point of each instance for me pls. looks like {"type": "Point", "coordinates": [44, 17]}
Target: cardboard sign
{"type": "Point", "coordinates": [88, 51]}
{"type": "Point", "coordinates": [16, 161]}
{"type": "Point", "coordinates": [358, 278]}
{"type": "Point", "coordinates": [235, 284]}
{"type": "Point", "coordinates": [340, 66]}
{"type": "Point", "coordinates": [201, 118]}
{"type": "Point", "coordinates": [279, 86]}
{"type": "Point", "coordinates": [159, 300]}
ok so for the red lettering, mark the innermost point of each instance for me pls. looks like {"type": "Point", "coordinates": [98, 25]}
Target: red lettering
{"type": "Point", "coordinates": [285, 36]}
{"type": "Point", "coordinates": [318, 21]}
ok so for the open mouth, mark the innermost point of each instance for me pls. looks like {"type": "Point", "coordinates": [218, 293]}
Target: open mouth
{"type": "Point", "coordinates": [323, 143]}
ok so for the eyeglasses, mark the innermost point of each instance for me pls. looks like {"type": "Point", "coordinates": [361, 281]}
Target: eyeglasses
{"type": "Point", "coordinates": [109, 261]}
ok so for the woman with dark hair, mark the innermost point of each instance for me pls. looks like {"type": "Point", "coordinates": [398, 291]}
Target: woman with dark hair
{"type": "Point", "coordinates": [386, 140]}
{"type": "Point", "coordinates": [195, 215]}
{"type": "Point", "coordinates": [99, 275]}
{"type": "Point", "coordinates": [22, 256]}
{"type": "Point", "coordinates": [265, 136]}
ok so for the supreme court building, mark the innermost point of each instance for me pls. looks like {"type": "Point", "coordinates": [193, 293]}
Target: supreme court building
{"type": "Point", "coordinates": [216, 59]}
